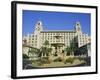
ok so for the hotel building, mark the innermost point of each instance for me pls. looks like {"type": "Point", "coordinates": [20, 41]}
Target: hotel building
{"type": "Point", "coordinates": [58, 39]}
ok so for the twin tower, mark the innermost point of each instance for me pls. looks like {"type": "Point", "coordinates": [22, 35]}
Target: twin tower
{"type": "Point", "coordinates": [39, 27]}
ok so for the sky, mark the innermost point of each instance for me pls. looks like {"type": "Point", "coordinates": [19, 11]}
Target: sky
{"type": "Point", "coordinates": [55, 21]}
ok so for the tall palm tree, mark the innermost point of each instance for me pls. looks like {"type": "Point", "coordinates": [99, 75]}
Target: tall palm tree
{"type": "Point", "coordinates": [71, 49]}
{"type": "Point", "coordinates": [46, 43]}
{"type": "Point", "coordinates": [45, 49]}
{"type": "Point", "coordinates": [49, 51]}
{"type": "Point", "coordinates": [68, 50]}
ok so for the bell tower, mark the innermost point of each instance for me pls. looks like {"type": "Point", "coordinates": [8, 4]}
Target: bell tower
{"type": "Point", "coordinates": [78, 27]}
{"type": "Point", "coordinates": [38, 27]}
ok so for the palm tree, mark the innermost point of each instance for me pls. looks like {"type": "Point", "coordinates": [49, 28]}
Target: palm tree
{"type": "Point", "coordinates": [71, 49]}
{"type": "Point", "coordinates": [68, 50]}
{"type": "Point", "coordinates": [45, 49]}
{"type": "Point", "coordinates": [46, 43]}
{"type": "Point", "coordinates": [49, 51]}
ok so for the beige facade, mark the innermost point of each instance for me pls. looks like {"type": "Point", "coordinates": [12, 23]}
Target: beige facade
{"type": "Point", "coordinates": [62, 37]}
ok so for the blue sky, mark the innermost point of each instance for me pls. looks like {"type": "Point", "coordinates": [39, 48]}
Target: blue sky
{"type": "Point", "coordinates": [55, 20]}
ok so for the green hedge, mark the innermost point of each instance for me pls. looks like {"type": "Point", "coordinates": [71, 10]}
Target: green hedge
{"type": "Point", "coordinates": [58, 59]}
{"type": "Point", "coordinates": [25, 56]}
{"type": "Point", "coordinates": [69, 60]}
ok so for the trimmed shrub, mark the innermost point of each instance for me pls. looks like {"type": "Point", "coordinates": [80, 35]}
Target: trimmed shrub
{"type": "Point", "coordinates": [58, 59]}
{"type": "Point", "coordinates": [80, 58]}
{"type": "Point", "coordinates": [25, 56]}
{"type": "Point", "coordinates": [44, 60]}
{"type": "Point", "coordinates": [69, 60]}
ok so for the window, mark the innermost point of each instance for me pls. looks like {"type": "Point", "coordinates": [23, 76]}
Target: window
{"type": "Point", "coordinates": [32, 41]}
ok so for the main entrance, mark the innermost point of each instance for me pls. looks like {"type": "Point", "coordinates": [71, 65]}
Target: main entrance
{"type": "Point", "coordinates": [58, 48]}
{"type": "Point", "coordinates": [58, 45]}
